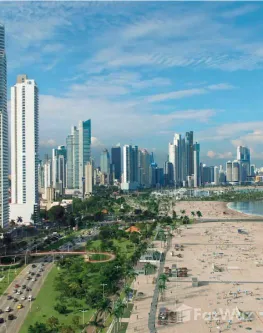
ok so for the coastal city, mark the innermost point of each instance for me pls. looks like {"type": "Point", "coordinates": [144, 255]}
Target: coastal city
{"type": "Point", "coordinates": [122, 209]}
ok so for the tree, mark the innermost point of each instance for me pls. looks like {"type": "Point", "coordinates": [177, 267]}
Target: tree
{"type": "Point", "coordinates": [163, 279]}
{"type": "Point", "coordinates": [56, 213]}
{"type": "Point", "coordinates": [38, 328]}
{"type": "Point", "coordinates": [199, 214]}
{"type": "Point", "coordinates": [76, 321]}
{"type": "Point", "coordinates": [193, 213]}
{"type": "Point", "coordinates": [105, 307]}
{"type": "Point", "coordinates": [66, 329]}
{"type": "Point", "coordinates": [182, 211]}
{"type": "Point", "coordinates": [162, 288]}
{"type": "Point", "coordinates": [12, 223]}
{"type": "Point", "coordinates": [53, 323]}
{"type": "Point", "coordinates": [60, 308]}
{"type": "Point", "coordinates": [19, 219]}
{"type": "Point", "coordinates": [147, 268]}
{"type": "Point", "coordinates": [97, 322]}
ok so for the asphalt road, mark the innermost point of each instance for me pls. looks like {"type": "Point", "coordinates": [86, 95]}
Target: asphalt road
{"type": "Point", "coordinates": [13, 326]}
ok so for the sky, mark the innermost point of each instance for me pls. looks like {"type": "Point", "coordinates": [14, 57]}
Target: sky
{"type": "Point", "coordinates": [142, 71]}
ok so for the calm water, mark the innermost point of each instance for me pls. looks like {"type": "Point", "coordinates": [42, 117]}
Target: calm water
{"type": "Point", "coordinates": [248, 207]}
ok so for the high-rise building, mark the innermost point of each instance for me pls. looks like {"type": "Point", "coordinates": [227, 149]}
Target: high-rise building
{"type": "Point", "coordinates": [235, 171]}
{"type": "Point", "coordinates": [78, 154]}
{"type": "Point", "coordinates": [196, 164]}
{"type": "Point", "coordinates": [4, 151]}
{"type": "Point", "coordinates": [252, 170]}
{"type": "Point", "coordinates": [105, 163]}
{"type": "Point", "coordinates": [59, 162]}
{"type": "Point", "coordinates": [130, 179]}
{"type": "Point", "coordinates": [205, 175]}
{"type": "Point", "coordinates": [216, 175]}
{"type": "Point", "coordinates": [47, 176]}
{"type": "Point", "coordinates": [84, 150]}
{"type": "Point", "coordinates": [243, 157]}
{"type": "Point", "coordinates": [88, 178]}
{"type": "Point", "coordinates": [144, 167]}
{"type": "Point", "coordinates": [24, 149]}
{"type": "Point", "coordinates": [189, 152]}
{"type": "Point", "coordinates": [168, 174]}
{"type": "Point", "coordinates": [229, 171]}
{"type": "Point", "coordinates": [116, 161]}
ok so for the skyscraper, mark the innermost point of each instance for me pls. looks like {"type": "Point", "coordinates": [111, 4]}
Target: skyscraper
{"type": "Point", "coordinates": [196, 164]}
{"type": "Point", "coordinates": [168, 174]}
{"type": "Point", "coordinates": [59, 161]}
{"type": "Point", "coordinates": [116, 161]}
{"type": "Point", "coordinates": [189, 152]}
{"type": "Point", "coordinates": [24, 149]}
{"type": "Point", "coordinates": [130, 179]}
{"type": "Point", "coordinates": [216, 175]}
{"type": "Point", "coordinates": [84, 150]}
{"type": "Point", "coordinates": [88, 178]}
{"type": "Point", "coordinates": [78, 154]}
{"type": "Point", "coordinates": [243, 157]}
{"type": "Point", "coordinates": [235, 171]}
{"type": "Point", "coordinates": [4, 151]}
{"type": "Point", "coordinates": [144, 167]}
{"type": "Point", "coordinates": [229, 165]}
{"type": "Point", "coordinates": [105, 163]}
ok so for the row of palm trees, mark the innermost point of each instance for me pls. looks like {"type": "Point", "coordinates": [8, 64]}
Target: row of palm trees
{"type": "Point", "coordinates": [162, 285]}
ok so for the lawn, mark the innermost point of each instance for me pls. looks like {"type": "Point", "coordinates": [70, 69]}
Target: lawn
{"type": "Point", "coordinates": [125, 246]}
{"type": "Point", "coordinates": [12, 275]}
{"type": "Point", "coordinates": [120, 328]}
{"type": "Point", "coordinates": [43, 306]}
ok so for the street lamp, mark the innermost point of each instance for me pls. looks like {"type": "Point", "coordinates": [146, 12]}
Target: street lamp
{"type": "Point", "coordinates": [83, 313]}
{"type": "Point", "coordinates": [103, 286]}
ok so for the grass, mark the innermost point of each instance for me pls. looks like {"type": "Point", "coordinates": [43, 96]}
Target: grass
{"type": "Point", "coordinates": [12, 275]}
{"type": "Point", "coordinates": [125, 246]}
{"type": "Point", "coordinates": [128, 311]}
{"type": "Point", "coordinates": [43, 306]}
{"type": "Point", "coordinates": [120, 328]}
{"type": "Point", "coordinates": [99, 257]}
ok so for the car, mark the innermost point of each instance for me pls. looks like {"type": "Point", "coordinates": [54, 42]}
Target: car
{"type": "Point", "coordinates": [30, 298]}
{"type": "Point", "coordinates": [37, 275]}
{"type": "Point", "coordinates": [41, 270]}
{"type": "Point", "coordinates": [29, 272]}
{"type": "Point", "coordinates": [28, 278]}
{"type": "Point", "coordinates": [9, 297]}
{"type": "Point", "coordinates": [1, 311]}
{"type": "Point", "coordinates": [15, 299]}
{"type": "Point", "coordinates": [18, 292]}
{"type": "Point", "coordinates": [8, 309]}
{"type": "Point", "coordinates": [11, 316]}
{"type": "Point", "coordinates": [14, 291]}
{"type": "Point", "coordinates": [19, 306]}
{"type": "Point", "coordinates": [2, 320]}
{"type": "Point", "coordinates": [32, 273]}
{"type": "Point", "coordinates": [42, 264]}
{"type": "Point", "coordinates": [23, 298]}
{"type": "Point", "coordinates": [24, 286]}
{"type": "Point", "coordinates": [34, 279]}
{"type": "Point", "coordinates": [17, 286]}
{"type": "Point", "coordinates": [34, 266]}
{"type": "Point", "coordinates": [28, 289]}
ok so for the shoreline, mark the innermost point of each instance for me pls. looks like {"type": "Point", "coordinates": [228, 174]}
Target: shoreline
{"type": "Point", "coordinates": [239, 211]}
{"type": "Point", "coordinates": [212, 210]}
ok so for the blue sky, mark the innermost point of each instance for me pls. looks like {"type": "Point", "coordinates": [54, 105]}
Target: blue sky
{"type": "Point", "coordinates": [143, 70]}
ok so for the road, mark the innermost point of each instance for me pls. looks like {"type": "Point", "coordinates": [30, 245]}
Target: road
{"type": "Point", "coordinates": [13, 326]}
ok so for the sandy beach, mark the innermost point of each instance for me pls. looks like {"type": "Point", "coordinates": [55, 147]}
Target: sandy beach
{"type": "Point", "coordinates": [229, 268]}
{"type": "Point", "coordinates": [209, 209]}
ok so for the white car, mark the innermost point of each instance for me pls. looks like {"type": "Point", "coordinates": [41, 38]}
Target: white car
{"type": "Point", "coordinates": [8, 309]}
{"type": "Point", "coordinates": [23, 298]}
{"type": "Point", "coordinates": [34, 279]}
{"type": "Point", "coordinates": [18, 292]}
{"type": "Point", "coordinates": [30, 298]}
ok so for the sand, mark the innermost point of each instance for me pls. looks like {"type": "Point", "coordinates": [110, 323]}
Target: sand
{"type": "Point", "coordinates": [209, 209]}
{"type": "Point", "coordinates": [237, 286]}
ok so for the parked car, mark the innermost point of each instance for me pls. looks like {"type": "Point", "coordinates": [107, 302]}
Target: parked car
{"type": "Point", "coordinates": [17, 286]}
{"type": "Point", "coordinates": [28, 289]}
{"type": "Point", "coordinates": [24, 286]}
{"type": "Point", "coordinates": [23, 298]}
{"type": "Point", "coordinates": [15, 300]}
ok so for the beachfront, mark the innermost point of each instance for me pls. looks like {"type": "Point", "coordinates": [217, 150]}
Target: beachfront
{"type": "Point", "coordinates": [227, 263]}
{"type": "Point", "coordinates": [209, 209]}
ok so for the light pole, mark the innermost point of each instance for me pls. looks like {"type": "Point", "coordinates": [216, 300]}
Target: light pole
{"type": "Point", "coordinates": [5, 328]}
{"type": "Point", "coordinates": [103, 286]}
{"type": "Point", "coordinates": [83, 313]}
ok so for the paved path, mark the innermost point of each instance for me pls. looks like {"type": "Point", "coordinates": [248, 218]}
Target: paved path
{"type": "Point", "coordinates": [13, 326]}
{"type": "Point", "coordinates": [152, 314]}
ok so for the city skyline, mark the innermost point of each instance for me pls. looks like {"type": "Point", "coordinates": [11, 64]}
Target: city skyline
{"type": "Point", "coordinates": [166, 89]}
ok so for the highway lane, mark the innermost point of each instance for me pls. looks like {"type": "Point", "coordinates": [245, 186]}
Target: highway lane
{"type": "Point", "coordinates": [13, 326]}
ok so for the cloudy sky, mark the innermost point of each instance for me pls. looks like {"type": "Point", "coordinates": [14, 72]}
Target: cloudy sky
{"type": "Point", "coordinates": [143, 71]}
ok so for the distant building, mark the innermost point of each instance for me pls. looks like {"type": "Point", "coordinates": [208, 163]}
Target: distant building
{"type": "Point", "coordinates": [229, 171]}
{"type": "Point", "coordinates": [235, 171]}
{"type": "Point", "coordinates": [116, 161]}
{"type": "Point", "coordinates": [196, 164]}
{"type": "Point", "coordinates": [130, 179]}
{"type": "Point", "coordinates": [24, 149]}
{"type": "Point", "coordinates": [168, 174]}
{"type": "Point", "coordinates": [88, 178]}
{"type": "Point", "coordinates": [216, 175]}
{"type": "Point", "coordinates": [243, 157]}
{"type": "Point", "coordinates": [105, 163]}
{"type": "Point", "coordinates": [144, 168]}
{"type": "Point", "coordinates": [59, 162]}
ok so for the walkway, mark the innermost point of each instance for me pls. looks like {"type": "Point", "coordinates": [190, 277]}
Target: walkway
{"type": "Point", "coordinates": [152, 314]}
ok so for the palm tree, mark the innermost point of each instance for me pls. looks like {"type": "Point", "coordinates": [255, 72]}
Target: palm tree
{"type": "Point", "coordinates": [105, 306]}
{"type": "Point", "coordinates": [19, 219]}
{"type": "Point", "coordinates": [182, 211]}
{"type": "Point", "coordinates": [163, 279]}
{"type": "Point", "coordinates": [199, 214]}
{"type": "Point", "coordinates": [162, 288]}
{"type": "Point", "coordinates": [97, 323]}
{"type": "Point", "coordinates": [147, 268]}
{"type": "Point", "coordinates": [118, 311]}
{"type": "Point", "coordinates": [193, 213]}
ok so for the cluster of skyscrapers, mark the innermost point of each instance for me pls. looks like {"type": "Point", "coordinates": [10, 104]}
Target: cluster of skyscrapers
{"type": "Point", "coordinates": [71, 169]}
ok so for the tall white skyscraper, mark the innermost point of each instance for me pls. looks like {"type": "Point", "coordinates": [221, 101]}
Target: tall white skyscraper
{"type": "Point", "coordinates": [216, 175]}
{"type": "Point", "coordinates": [196, 164]}
{"type": "Point", "coordinates": [229, 171]}
{"type": "Point", "coordinates": [24, 149]}
{"type": "Point", "coordinates": [88, 178]}
{"type": "Point", "coordinates": [4, 151]}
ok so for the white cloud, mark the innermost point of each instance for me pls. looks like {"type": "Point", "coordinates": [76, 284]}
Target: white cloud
{"type": "Point", "coordinates": [240, 11]}
{"type": "Point", "coordinates": [95, 142]}
{"type": "Point", "coordinates": [48, 143]}
{"type": "Point", "coordinates": [221, 86]}
{"type": "Point", "coordinates": [225, 155]}
{"type": "Point", "coordinates": [176, 95]}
